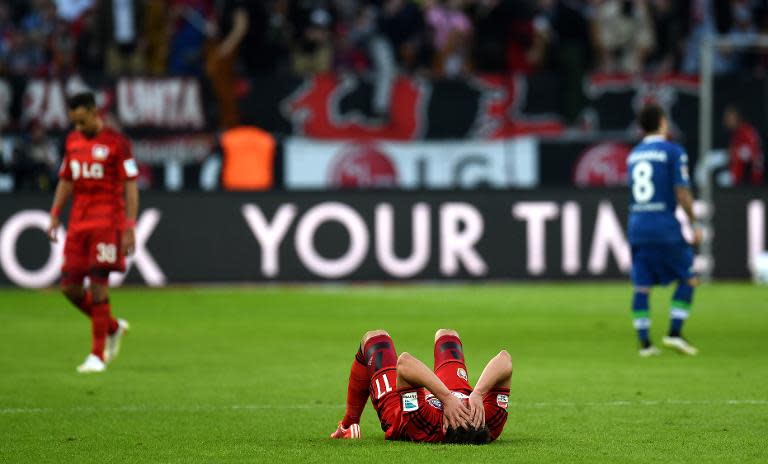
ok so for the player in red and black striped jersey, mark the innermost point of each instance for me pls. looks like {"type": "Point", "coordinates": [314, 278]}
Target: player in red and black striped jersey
{"type": "Point", "coordinates": [415, 403]}
{"type": "Point", "coordinates": [99, 173]}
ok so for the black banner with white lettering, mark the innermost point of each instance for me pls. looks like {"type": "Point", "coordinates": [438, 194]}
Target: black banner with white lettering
{"type": "Point", "coordinates": [369, 236]}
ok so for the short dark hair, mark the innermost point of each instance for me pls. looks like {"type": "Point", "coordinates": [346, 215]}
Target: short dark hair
{"type": "Point", "coordinates": [82, 99]}
{"type": "Point", "coordinates": [468, 436]}
{"type": "Point", "coordinates": [734, 109]}
{"type": "Point", "coordinates": [650, 118]}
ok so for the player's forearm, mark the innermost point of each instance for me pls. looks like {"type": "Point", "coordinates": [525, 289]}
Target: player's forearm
{"type": "Point", "coordinates": [131, 201]}
{"type": "Point", "coordinates": [63, 192]}
{"type": "Point", "coordinates": [685, 200]}
{"type": "Point", "coordinates": [416, 374]}
{"type": "Point", "coordinates": [497, 374]}
{"type": "Point", "coordinates": [239, 29]}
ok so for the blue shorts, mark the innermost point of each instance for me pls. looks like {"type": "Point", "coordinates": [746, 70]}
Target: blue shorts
{"type": "Point", "coordinates": [661, 263]}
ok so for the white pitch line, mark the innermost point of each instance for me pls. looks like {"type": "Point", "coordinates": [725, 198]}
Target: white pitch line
{"type": "Point", "coordinates": [257, 407]}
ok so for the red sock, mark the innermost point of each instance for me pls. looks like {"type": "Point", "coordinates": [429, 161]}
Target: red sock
{"type": "Point", "coordinates": [99, 327]}
{"type": "Point", "coordinates": [112, 327]}
{"type": "Point", "coordinates": [357, 391]}
{"type": "Point", "coordinates": [85, 303]}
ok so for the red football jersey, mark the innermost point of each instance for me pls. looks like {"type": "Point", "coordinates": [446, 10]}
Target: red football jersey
{"type": "Point", "coordinates": [745, 153]}
{"type": "Point", "coordinates": [421, 415]}
{"type": "Point", "coordinates": [98, 168]}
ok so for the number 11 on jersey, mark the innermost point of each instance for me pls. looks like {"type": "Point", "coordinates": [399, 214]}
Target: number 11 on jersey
{"type": "Point", "coordinates": [387, 387]}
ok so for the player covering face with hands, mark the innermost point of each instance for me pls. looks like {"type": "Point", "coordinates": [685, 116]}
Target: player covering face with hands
{"type": "Point", "coordinates": [99, 173]}
{"type": "Point", "coordinates": [416, 403]}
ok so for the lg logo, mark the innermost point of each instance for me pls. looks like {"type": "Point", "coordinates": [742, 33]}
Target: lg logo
{"type": "Point", "coordinates": [86, 170]}
{"type": "Point", "coordinates": [49, 273]}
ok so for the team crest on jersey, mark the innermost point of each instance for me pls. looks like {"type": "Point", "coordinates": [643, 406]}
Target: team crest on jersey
{"type": "Point", "coordinates": [410, 401]}
{"type": "Point", "coordinates": [461, 373]}
{"type": "Point", "coordinates": [502, 401]}
{"type": "Point", "coordinates": [100, 152]}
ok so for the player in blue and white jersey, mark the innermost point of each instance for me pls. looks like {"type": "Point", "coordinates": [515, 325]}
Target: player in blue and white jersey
{"type": "Point", "coordinates": [658, 182]}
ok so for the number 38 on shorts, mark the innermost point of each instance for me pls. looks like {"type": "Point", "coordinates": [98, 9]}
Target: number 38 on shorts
{"type": "Point", "coordinates": [106, 253]}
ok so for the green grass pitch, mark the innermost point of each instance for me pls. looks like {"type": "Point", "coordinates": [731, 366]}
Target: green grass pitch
{"type": "Point", "coordinates": [259, 375]}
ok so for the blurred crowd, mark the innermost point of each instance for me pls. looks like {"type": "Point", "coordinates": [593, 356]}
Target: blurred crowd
{"type": "Point", "coordinates": [440, 37]}
{"type": "Point", "coordinates": [222, 40]}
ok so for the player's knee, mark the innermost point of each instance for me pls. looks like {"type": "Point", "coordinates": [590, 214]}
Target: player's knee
{"type": "Point", "coordinates": [404, 358]}
{"type": "Point", "coordinates": [72, 292]}
{"type": "Point", "coordinates": [506, 358]}
{"type": "Point", "coordinates": [694, 281]}
{"type": "Point", "coordinates": [99, 292]}
{"type": "Point", "coordinates": [374, 333]}
{"type": "Point", "coordinates": [445, 332]}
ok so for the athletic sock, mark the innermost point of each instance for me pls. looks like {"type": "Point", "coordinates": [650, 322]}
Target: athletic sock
{"type": "Point", "coordinates": [99, 327]}
{"type": "Point", "coordinates": [85, 303]}
{"type": "Point", "coordinates": [113, 325]}
{"type": "Point", "coordinates": [681, 307]}
{"type": "Point", "coordinates": [357, 391]}
{"type": "Point", "coordinates": [642, 320]}
{"type": "Point", "coordinates": [85, 306]}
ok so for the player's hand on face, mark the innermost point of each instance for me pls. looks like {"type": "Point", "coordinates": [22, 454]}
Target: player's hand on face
{"type": "Point", "coordinates": [476, 410]}
{"type": "Point", "coordinates": [53, 228]}
{"type": "Point", "coordinates": [128, 242]}
{"type": "Point", "coordinates": [455, 414]}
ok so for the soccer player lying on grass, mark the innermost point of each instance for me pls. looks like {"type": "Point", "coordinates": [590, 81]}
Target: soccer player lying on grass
{"type": "Point", "coordinates": [416, 404]}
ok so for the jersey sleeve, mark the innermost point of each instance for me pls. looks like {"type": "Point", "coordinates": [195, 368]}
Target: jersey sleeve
{"type": "Point", "coordinates": [65, 170]}
{"type": "Point", "coordinates": [496, 403]}
{"type": "Point", "coordinates": [680, 169]}
{"type": "Point", "coordinates": [127, 168]}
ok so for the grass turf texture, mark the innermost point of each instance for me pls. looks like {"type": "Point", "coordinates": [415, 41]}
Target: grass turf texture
{"type": "Point", "coordinates": [259, 375]}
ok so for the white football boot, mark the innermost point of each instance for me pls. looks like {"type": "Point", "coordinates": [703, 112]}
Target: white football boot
{"type": "Point", "coordinates": [681, 345]}
{"type": "Point", "coordinates": [112, 348]}
{"type": "Point", "coordinates": [648, 352]}
{"type": "Point", "coordinates": [92, 364]}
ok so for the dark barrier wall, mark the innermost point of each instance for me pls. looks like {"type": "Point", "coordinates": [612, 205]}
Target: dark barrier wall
{"type": "Point", "coordinates": [374, 236]}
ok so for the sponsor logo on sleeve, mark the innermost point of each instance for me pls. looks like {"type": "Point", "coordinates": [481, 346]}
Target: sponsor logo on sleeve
{"type": "Point", "coordinates": [410, 401]}
{"type": "Point", "coordinates": [461, 373]}
{"type": "Point", "coordinates": [100, 152]}
{"type": "Point", "coordinates": [502, 401]}
{"type": "Point", "coordinates": [434, 402]}
{"type": "Point", "coordinates": [130, 167]}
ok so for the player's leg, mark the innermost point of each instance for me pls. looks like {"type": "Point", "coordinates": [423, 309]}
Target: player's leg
{"type": "Point", "coordinates": [74, 270]}
{"type": "Point", "coordinates": [642, 281]}
{"type": "Point", "coordinates": [372, 374]}
{"type": "Point", "coordinates": [113, 260]}
{"type": "Point", "coordinates": [79, 296]}
{"type": "Point", "coordinates": [103, 256]}
{"type": "Point", "coordinates": [101, 316]}
{"type": "Point", "coordinates": [642, 321]}
{"type": "Point", "coordinates": [95, 362]}
{"type": "Point", "coordinates": [359, 383]}
{"type": "Point", "coordinates": [681, 304]}
{"type": "Point", "coordinates": [449, 363]}
{"type": "Point", "coordinates": [73, 273]}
